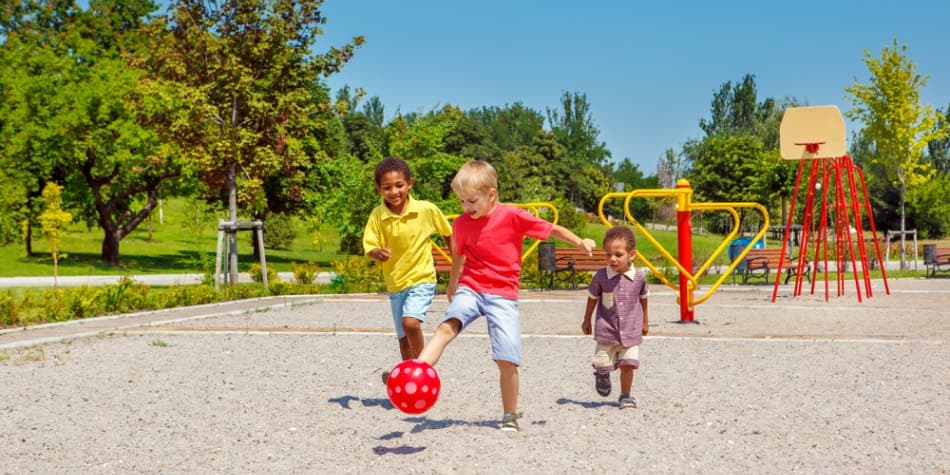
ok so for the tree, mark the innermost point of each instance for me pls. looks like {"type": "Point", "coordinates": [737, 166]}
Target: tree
{"type": "Point", "coordinates": [938, 150]}
{"type": "Point", "coordinates": [726, 169]}
{"type": "Point", "coordinates": [53, 222]}
{"type": "Point", "coordinates": [509, 127]}
{"type": "Point", "coordinates": [247, 69]}
{"type": "Point", "coordinates": [575, 131]}
{"type": "Point", "coordinates": [895, 120]}
{"type": "Point", "coordinates": [83, 119]}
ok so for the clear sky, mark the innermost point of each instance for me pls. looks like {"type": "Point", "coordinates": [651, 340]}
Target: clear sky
{"type": "Point", "coordinates": [649, 69]}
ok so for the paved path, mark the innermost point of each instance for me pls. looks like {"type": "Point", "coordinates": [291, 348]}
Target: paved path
{"type": "Point", "coordinates": [150, 279]}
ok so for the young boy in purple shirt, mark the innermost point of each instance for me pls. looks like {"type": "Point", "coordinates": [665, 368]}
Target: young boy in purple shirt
{"type": "Point", "coordinates": [619, 293]}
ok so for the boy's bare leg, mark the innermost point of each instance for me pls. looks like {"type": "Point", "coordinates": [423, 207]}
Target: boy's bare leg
{"type": "Point", "coordinates": [508, 377]}
{"type": "Point", "coordinates": [626, 379]}
{"type": "Point", "coordinates": [444, 333]}
{"type": "Point", "coordinates": [414, 338]}
{"type": "Point", "coordinates": [404, 349]}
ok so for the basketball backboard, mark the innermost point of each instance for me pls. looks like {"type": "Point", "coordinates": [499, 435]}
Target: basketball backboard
{"type": "Point", "coordinates": [812, 132]}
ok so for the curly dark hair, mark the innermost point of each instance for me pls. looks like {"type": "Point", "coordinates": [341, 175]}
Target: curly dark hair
{"type": "Point", "coordinates": [392, 164]}
{"type": "Point", "coordinates": [621, 232]}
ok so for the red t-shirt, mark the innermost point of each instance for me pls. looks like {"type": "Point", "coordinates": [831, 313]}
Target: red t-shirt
{"type": "Point", "coordinates": [492, 248]}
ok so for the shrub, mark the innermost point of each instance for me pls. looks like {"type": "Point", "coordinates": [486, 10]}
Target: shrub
{"type": "Point", "coordinates": [305, 273]}
{"type": "Point", "coordinates": [530, 276]}
{"type": "Point", "coordinates": [181, 296]}
{"type": "Point", "coordinates": [9, 309]}
{"type": "Point", "coordinates": [279, 231]}
{"type": "Point", "coordinates": [126, 296]}
{"type": "Point", "coordinates": [258, 276]}
{"type": "Point", "coordinates": [55, 307]}
{"type": "Point", "coordinates": [569, 217]}
{"type": "Point", "coordinates": [357, 274]}
{"type": "Point", "coordinates": [81, 304]}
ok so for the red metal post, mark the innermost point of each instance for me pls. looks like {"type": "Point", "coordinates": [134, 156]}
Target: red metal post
{"type": "Point", "coordinates": [685, 247]}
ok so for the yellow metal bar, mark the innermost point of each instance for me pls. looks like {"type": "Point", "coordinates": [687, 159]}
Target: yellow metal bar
{"type": "Point", "coordinates": [681, 195]}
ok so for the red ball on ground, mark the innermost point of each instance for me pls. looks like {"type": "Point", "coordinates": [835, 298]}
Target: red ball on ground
{"type": "Point", "coordinates": [413, 386]}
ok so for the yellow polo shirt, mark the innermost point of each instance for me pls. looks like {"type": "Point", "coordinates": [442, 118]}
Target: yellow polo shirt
{"type": "Point", "coordinates": [408, 237]}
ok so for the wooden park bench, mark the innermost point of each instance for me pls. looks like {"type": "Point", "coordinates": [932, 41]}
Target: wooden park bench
{"type": "Point", "coordinates": [939, 260]}
{"type": "Point", "coordinates": [759, 263]}
{"type": "Point", "coordinates": [567, 261]}
{"type": "Point", "coordinates": [442, 264]}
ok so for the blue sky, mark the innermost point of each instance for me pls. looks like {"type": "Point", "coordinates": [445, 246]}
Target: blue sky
{"type": "Point", "coordinates": [649, 70]}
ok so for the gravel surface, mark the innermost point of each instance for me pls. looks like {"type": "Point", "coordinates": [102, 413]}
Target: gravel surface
{"type": "Point", "coordinates": [800, 385]}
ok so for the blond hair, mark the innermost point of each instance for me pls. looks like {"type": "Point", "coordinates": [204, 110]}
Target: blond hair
{"type": "Point", "coordinates": [475, 175]}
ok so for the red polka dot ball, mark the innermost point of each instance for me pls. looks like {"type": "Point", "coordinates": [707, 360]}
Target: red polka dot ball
{"type": "Point", "coordinates": [413, 386]}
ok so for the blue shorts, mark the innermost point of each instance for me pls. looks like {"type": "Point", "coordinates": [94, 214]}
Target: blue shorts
{"type": "Point", "coordinates": [501, 313]}
{"type": "Point", "coordinates": [413, 302]}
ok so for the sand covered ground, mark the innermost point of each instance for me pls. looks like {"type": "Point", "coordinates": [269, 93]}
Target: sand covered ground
{"type": "Point", "coordinates": [800, 385]}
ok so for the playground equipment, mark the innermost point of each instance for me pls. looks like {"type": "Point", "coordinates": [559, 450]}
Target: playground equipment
{"type": "Point", "coordinates": [815, 136]}
{"type": "Point", "coordinates": [688, 278]}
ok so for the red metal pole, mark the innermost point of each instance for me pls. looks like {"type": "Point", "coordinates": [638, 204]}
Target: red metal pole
{"type": "Point", "coordinates": [684, 233]}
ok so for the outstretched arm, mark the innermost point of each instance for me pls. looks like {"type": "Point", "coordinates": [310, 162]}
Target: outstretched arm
{"type": "Point", "coordinates": [566, 235]}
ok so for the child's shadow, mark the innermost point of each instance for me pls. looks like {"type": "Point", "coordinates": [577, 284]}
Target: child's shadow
{"type": "Point", "coordinates": [344, 402]}
{"type": "Point", "coordinates": [586, 404]}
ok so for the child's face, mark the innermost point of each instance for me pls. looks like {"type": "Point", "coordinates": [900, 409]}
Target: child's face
{"type": "Point", "coordinates": [477, 204]}
{"type": "Point", "coordinates": [394, 189]}
{"type": "Point", "coordinates": [618, 257]}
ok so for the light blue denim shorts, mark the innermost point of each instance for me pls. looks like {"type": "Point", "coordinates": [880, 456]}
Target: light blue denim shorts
{"type": "Point", "coordinates": [501, 314]}
{"type": "Point", "coordinates": [412, 302]}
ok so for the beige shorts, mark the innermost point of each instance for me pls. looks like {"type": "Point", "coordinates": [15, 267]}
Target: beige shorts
{"type": "Point", "coordinates": [610, 357]}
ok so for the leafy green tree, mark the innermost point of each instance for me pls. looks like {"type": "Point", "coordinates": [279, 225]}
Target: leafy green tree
{"type": "Point", "coordinates": [574, 128]}
{"type": "Point", "coordinates": [725, 169]}
{"type": "Point", "coordinates": [930, 205]}
{"type": "Point", "coordinates": [83, 119]}
{"type": "Point", "coordinates": [524, 170]}
{"type": "Point", "coordinates": [509, 127]}
{"type": "Point", "coordinates": [342, 193]}
{"type": "Point", "coordinates": [246, 68]}
{"type": "Point", "coordinates": [938, 150]}
{"type": "Point", "coordinates": [889, 107]}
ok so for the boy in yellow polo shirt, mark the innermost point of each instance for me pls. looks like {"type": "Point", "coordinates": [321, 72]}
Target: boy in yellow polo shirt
{"type": "Point", "coordinates": [397, 234]}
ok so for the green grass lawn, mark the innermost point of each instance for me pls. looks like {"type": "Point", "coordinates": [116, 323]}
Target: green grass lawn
{"type": "Point", "coordinates": [174, 247]}
{"type": "Point", "coordinates": [184, 243]}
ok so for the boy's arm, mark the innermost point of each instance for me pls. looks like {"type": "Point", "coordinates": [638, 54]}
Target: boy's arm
{"type": "Point", "coordinates": [646, 319]}
{"type": "Point", "coordinates": [454, 274]}
{"type": "Point", "coordinates": [372, 242]}
{"type": "Point", "coordinates": [564, 234]}
{"type": "Point", "coordinates": [588, 312]}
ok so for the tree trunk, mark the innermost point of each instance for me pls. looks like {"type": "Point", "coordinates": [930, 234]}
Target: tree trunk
{"type": "Point", "coordinates": [29, 238]}
{"type": "Point", "coordinates": [110, 247]}
{"type": "Point", "coordinates": [903, 228]}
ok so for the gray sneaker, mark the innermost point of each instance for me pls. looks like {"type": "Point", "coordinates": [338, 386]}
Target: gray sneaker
{"type": "Point", "coordinates": [509, 422]}
{"type": "Point", "coordinates": [627, 402]}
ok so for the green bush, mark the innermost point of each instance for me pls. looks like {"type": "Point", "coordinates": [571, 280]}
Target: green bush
{"type": "Point", "coordinates": [305, 273]}
{"type": "Point", "coordinates": [81, 304]}
{"type": "Point", "coordinates": [182, 296]}
{"type": "Point", "coordinates": [10, 309]}
{"type": "Point", "coordinates": [126, 296]}
{"type": "Point", "coordinates": [570, 217]}
{"type": "Point", "coordinates": [258, 276]}
{"type": "Point", "coordinates": [357, 274]}
{"type": "Point", "coordinates": [279, 231]}
{"type": "Point", "coordinates": [55, 307]}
